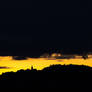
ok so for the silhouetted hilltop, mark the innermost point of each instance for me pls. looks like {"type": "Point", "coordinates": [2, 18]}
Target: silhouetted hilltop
{"type": "Point", "coordinates": [55, 76]}
{"type": "Point", "coordinates": [68, 68]}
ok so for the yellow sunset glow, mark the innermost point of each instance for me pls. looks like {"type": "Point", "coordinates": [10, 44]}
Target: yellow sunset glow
{"type": "Point", "coordinates": [37, 63]}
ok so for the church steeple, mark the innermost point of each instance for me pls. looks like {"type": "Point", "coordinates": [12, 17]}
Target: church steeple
{"type": "Point", "coordinates": [32, 68]}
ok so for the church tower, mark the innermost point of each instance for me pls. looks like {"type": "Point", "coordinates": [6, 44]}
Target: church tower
{"type": "Point", "coordinates": [32, 68]}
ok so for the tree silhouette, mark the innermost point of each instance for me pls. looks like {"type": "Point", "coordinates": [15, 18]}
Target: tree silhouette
{"type": "Point", "coordinates": [55, 76]}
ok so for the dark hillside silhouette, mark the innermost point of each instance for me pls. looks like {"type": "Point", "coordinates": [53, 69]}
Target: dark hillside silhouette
{"type": "Point", "coordinates": [55, 77]}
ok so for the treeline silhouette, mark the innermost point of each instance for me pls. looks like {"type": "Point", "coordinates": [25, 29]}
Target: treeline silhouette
{"type": "Point", "coordinates": [54, 77]}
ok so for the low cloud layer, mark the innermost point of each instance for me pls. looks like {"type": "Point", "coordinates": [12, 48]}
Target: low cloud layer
{"type": "Point", "coordinates": [3, 67]}
{"type": "Point", "coordinates": [19, 58]}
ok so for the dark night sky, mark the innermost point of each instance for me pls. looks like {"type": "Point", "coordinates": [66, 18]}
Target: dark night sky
{"type": "Point", "coordinates": [35, 27]}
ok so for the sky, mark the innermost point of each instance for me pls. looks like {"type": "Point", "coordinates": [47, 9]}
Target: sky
{"type": "Point", "coordinates": [37, 27]}
{"type": "Point", "coordinates": [71, 36]}
{"type": "Point", "coordinates": [33, 28]}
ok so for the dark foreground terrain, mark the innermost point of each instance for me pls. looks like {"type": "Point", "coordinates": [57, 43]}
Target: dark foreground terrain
{"type": "Point", "coordinates": [67, 77]}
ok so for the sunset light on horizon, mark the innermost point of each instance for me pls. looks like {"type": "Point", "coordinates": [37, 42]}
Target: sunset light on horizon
{"type": "Point", "coordinates": [8, 64]}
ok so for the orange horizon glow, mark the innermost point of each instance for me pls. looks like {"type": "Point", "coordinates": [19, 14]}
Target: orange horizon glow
{"type": "Point", "coordinates": [37, 63]}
